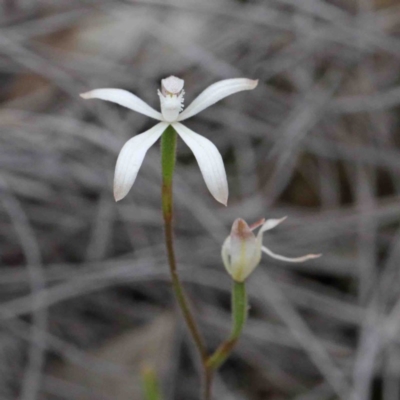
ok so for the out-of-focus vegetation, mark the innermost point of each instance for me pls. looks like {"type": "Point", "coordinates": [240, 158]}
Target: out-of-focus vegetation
{"type": "Point", "coordinates": [84, 286]}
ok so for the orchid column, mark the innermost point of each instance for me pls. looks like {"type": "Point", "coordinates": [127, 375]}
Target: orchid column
{"type": "Point", "coordinates": [207, 155]}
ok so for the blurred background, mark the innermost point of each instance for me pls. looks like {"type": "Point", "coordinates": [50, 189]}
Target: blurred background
{"type": "Point", "coordinates": [84, 285]}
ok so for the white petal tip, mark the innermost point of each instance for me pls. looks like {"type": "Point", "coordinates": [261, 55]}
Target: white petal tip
{"type": "Point", "coordinates": [118, 194]}
{"type": "Point", "coordinates": [221, 199]}
{"type": "Point", "coordinates": [311, 256]}
{"type": "Point", "coordinates": [271, 224]}
{"type": "Point", "coordinates": [279, 220]}
{"type": "Point", "coordinates": [254, 83]}
{"type": "Point", "coordinates": [85, 95]}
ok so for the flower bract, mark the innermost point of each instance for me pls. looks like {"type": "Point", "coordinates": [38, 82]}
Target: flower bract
{"type": "Point", "coordinates": [171, 96]}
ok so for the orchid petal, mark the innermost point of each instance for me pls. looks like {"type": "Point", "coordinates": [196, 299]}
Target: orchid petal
{"type": "Point", "coordinates": [131, 158]}
{"type": "Point", "coordinates": [209, 160]}
{"type": "Point", "coordinates": [215, 93]}
{"type": "Point", "coordinates": [270, 224]}
{"type": "Point", "coordinates": [289, 259]}
{"type": "Point", "coordinates": [125, 99]}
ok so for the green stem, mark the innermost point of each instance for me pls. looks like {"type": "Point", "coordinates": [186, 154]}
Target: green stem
{"type": "Point", "coordinates": [239, 316]}
{"type": "Point", "coordinates": [151, 389]}
{"type": "Point", "coordinates": [168, 156]}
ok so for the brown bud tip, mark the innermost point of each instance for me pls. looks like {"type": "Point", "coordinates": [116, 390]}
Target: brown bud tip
{"type": "Point", "coordinates": [240, 229]}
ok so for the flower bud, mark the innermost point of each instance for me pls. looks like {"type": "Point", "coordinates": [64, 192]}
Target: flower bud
{"type": "Point", "coordinates": [241, 251]}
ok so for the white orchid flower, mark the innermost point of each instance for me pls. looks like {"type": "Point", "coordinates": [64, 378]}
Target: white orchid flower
{"type": "Point", "coordinates": [171, 98]}
{"type": "Point", "coordinates": [241, 251]}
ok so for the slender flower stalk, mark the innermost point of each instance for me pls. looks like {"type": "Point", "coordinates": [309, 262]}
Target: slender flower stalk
{"type": "Point", "coordinates": [168, 157]}
{"type": "Point", "coordinates": [239, 316]}
{"type": "Point", "coordinates": [168, 150]}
